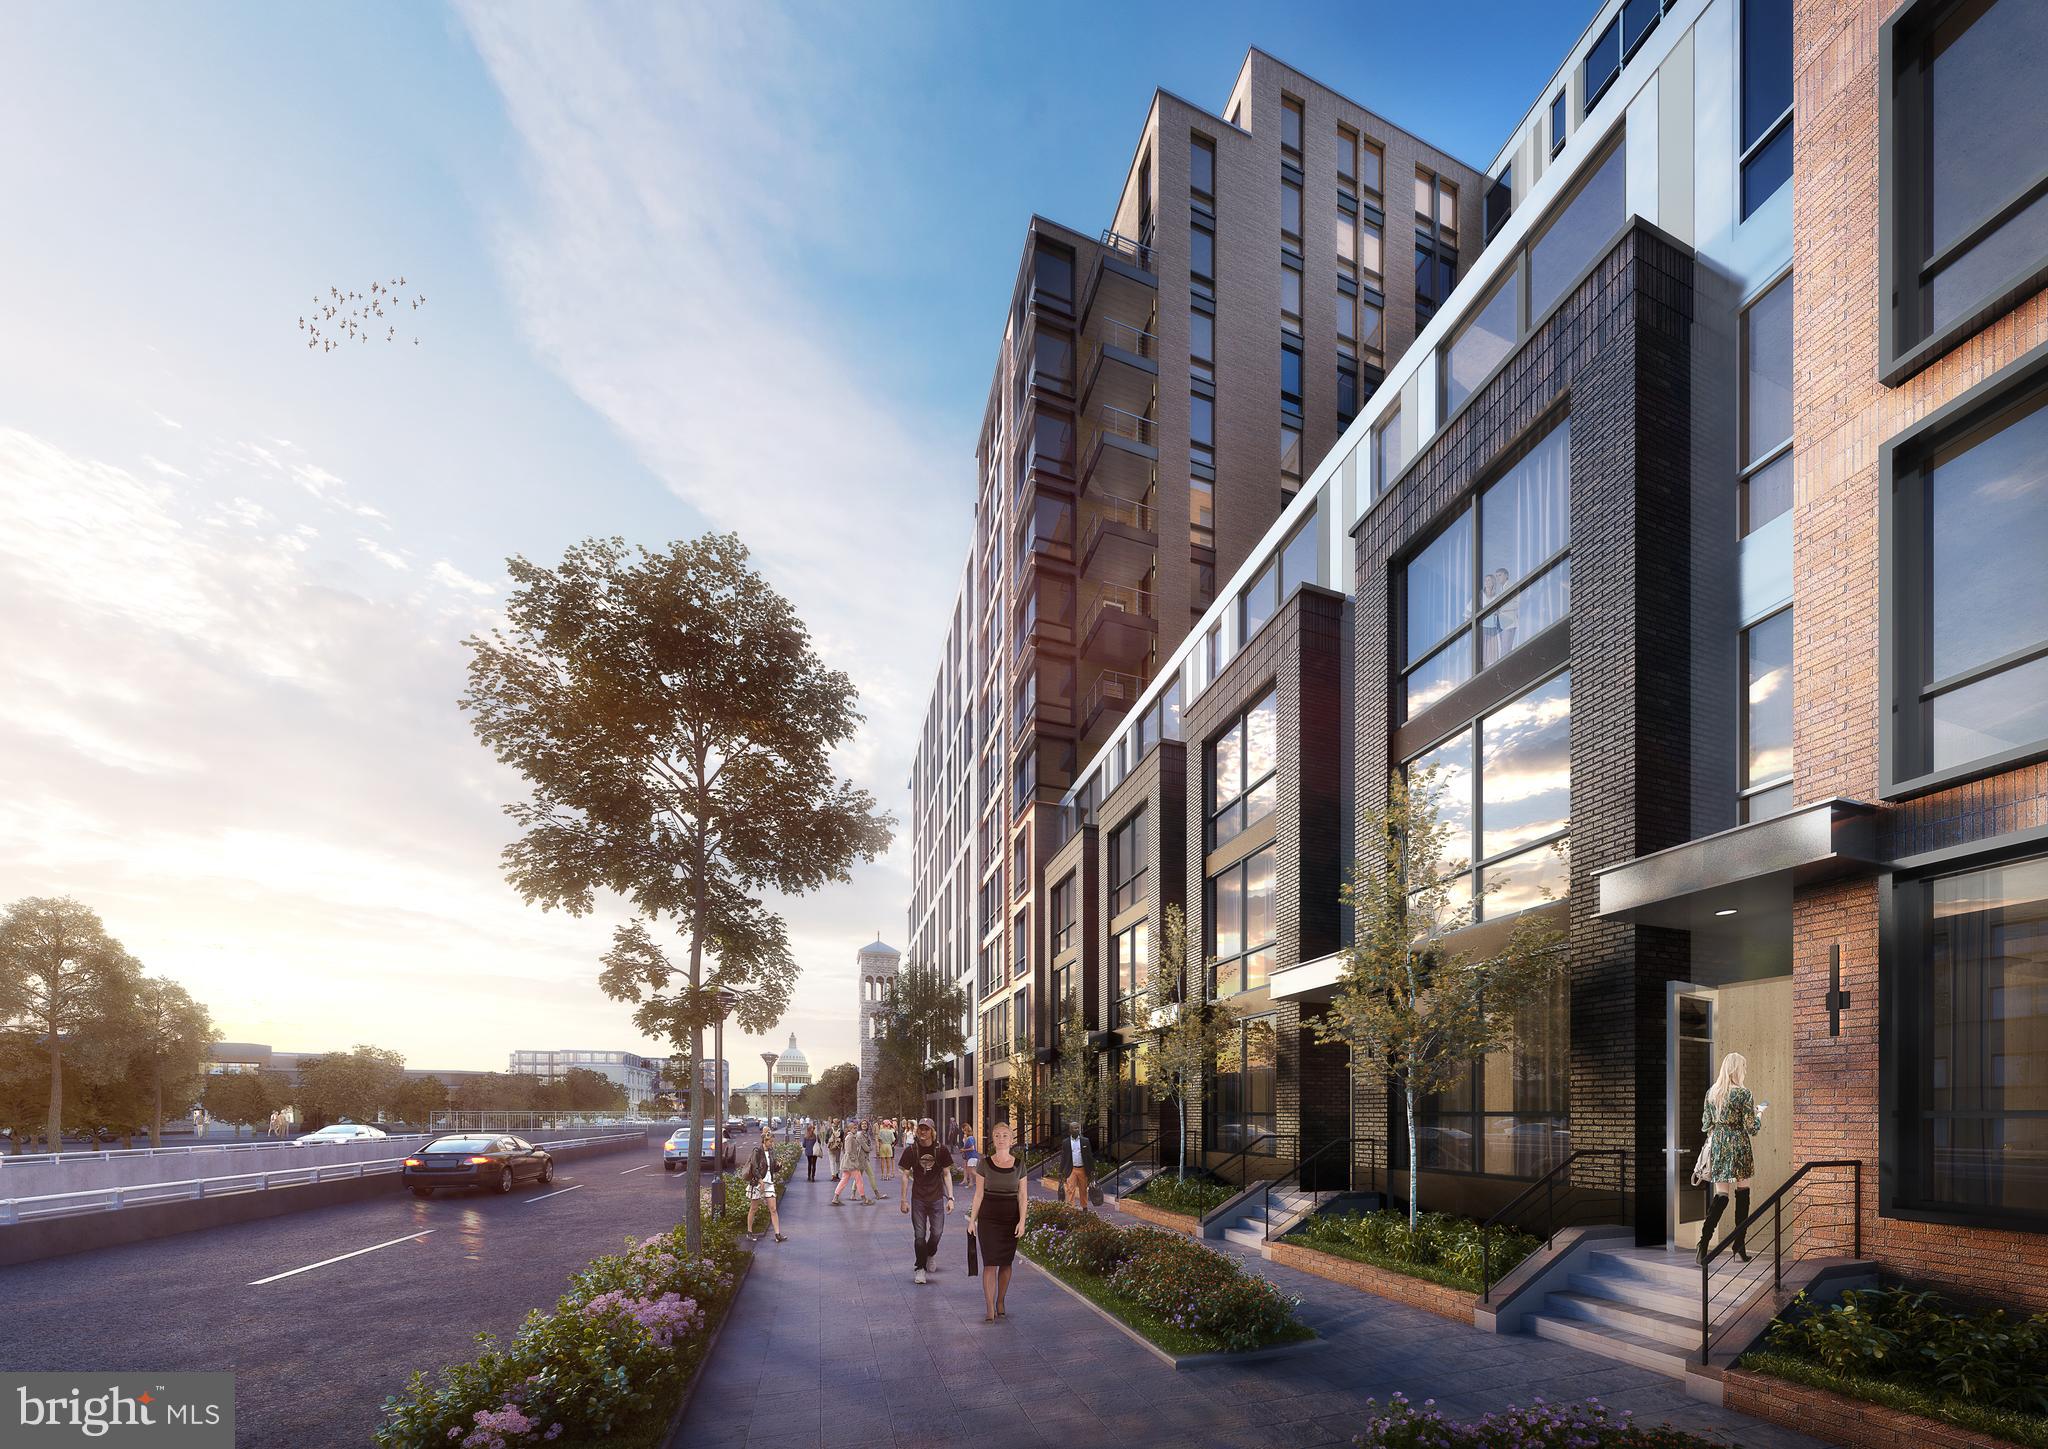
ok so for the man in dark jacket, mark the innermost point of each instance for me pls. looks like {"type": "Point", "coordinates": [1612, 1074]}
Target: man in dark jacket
{"type": "Point", "coordinates": [1077, 1167]}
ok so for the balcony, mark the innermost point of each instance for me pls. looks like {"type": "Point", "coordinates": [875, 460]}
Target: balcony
{"type": "Point", "coordinates": [1045, 535]}
{"type": "Point", "coordinates": [1108, 700]}
{"type": "Point", "coordinates": [1122, 541]}
{"type": "Point", "coordinates": [1122, 279]}
{"type": "Point", "coordinates": [1038, 714]}
{"type": "Point", "coordinates": [1120, 454]}
{"type": "Point", "coordinates": [1123, 366]}
{"type": "Point", "coordinates": [1119, 628]}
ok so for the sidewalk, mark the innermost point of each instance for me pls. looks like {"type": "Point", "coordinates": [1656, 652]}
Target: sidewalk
{"type": "Point", "coordinates": [831, 1344]}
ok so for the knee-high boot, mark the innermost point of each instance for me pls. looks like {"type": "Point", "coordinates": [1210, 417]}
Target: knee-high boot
{"type": "Point", "coordinates": [1716, 1205]}
{"type": "Point", "coordinates": [1741, 1222]}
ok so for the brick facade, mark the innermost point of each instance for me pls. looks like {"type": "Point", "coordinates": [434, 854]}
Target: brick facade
{"type": "Point", "coordinates": [1452, 1303]}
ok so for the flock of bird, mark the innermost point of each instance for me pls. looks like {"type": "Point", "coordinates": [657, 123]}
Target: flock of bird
{"type": "Point", "coordinates": [343, 317]}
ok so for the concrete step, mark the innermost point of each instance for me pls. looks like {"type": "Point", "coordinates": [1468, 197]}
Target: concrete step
{"type": "Point", "coordinates": [1611, 1343]}
{"type": "Point", "coordinates": [1638, 1292]}
{"type": "Point", "coordinates": [1247, 1237]}
{"type": "Point", "coordinates": [1669, 1271]}
{"type": "Point", "coordinates": [1646, 1323]}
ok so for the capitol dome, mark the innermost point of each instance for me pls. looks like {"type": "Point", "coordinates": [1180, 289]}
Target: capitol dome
{"type": "Point", "coordinates": [792, 1066]}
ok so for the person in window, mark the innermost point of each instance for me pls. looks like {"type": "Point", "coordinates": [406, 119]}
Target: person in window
{"type": "Point", "coordinates": [996, 1216]}
{"type": "Point", "coordinates": [761, 1185]}
{"type": "Point", "coordinates": [1731, 1118]}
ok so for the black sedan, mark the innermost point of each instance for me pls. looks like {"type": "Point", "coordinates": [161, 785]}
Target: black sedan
{"type": "Point", "coordinates": [476, 1160]}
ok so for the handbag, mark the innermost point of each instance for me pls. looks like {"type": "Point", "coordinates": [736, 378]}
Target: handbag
{"type": "Point", "coordinates": [1094, 1195]}
{"type": "Point", "coordinates": [1699, 1165]}
{"type": "Point", "coordinates": [973, 1255]}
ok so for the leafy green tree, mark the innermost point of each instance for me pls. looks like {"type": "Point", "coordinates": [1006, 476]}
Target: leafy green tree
{"type": "Point", "coordinates": [172, 1034]}
{"type": "Point", "coordinates": [360, 1085]}
{"type": "Point", "coordinates": [1412, 1002]}
{"type": "Point", "coordinates": [496, 1092]}
{"type": "Point", "coordinates": [240, 1098]}
{"type": "Point", "coordinates": [62, 978]}
{"type": "Point", "coordinates": [677, 732]}
{"type": "Point", "coordinates": [836, 1093]}
{"type": "Point", "coordinates": [736, 1103]}
{"type": "Point", "coordinates": [586, 1091]}
{"type": "Point", "coordinates": [1076, 1089]}
{"type": "Point", "coordinates": [419, 1098]}
{"type": "Point", "coordinates": [24, 1088]}
{"type": "Point", "coordinates": [1182, 1029]}
{"type": "Point", "coordinates": [1024, 1096]}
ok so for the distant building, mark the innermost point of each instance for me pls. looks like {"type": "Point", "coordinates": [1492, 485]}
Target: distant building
{"type": "Point", "coordinates": [878, 963]}
{"type": "Point", "coordinates": [640, 1076]}
{"type": "Point", "coordinates": [227, 1058]}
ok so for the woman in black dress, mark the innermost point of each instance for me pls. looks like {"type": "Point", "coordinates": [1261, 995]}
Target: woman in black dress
{"type": "Point", "coordinates": [996, 1216]}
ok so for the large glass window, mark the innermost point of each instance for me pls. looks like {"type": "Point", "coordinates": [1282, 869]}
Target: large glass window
{"type": "Point", "coordinates": [1386, 452]}
{"type": "Point", "coordinates": [1202, 253]}
{"type": "Point", "coordinates": [1133, 1116]}
{"type": "Point", "coordinates": [1130, 954]}
{"type": "Point", "coordinates": [1969, 1040]}
{"type": "Point", "coordinates": [1241, 1098]}
{"type": "Point", "coordinates": [1507, 1118]}
{"type": "Point", "coordinates": [1767, 717]}
{"type": "Point", "coordinates": [1767, 407]}
{"type": "Point", "coordinates": [1290, 124]}
{"type": "Point", "coordinates": [1766, 100]}
{"type": "Point", "coordinates": [1202, 429]}
{"type": "Point", "coordinates": [1575, 237]}
{"type": "Point", "coordinates": [1053, 275]}
{"type": "Point", "coordinates": [1514, 578]}
{"type": "Point", "coordinates": [1062, 914]}
{"type": "Point", "coordinates": [1290, 208]}
{"type": "Point", "coordinates": [1202, 345]}
{"type": "Point", "coordinates": [1967, 132]}
{"type": "Point", "coordinates": [1511, 817]}
{"type": "Point", "coordinates": [1242, 925]}
{"type": "Point", "coordinates": [1202, 166]}
{"type": "Point", "coordinates": [1481, 345]}
{"type": "Point", "coordinates": [1127, 864]}
{"type": "Point", "coordinates": [1243, 765]}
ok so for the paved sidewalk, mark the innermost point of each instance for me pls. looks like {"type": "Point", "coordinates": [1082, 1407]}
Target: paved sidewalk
{"type": "Point", "coordinates": [831, 1344]}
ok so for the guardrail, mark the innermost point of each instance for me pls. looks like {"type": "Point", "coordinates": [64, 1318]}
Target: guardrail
{"type": "Point", "coordinates": [118, 1154]}
{"type": "Point", "coordinates": [108, 1199]}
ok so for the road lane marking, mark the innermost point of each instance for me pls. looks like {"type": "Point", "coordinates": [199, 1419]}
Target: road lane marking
{"type": "Point", "coordinates": [641, 1168]}
{"type": "Point", "coordinates": [293, 1273]}
{"type": "Point", "coordinates": [556, 1193]}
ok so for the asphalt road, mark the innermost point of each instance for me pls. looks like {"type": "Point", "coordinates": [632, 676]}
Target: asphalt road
{"type": "Point", "coordinates": [315, 1349]}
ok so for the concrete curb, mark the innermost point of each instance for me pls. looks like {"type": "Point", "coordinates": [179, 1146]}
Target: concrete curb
{"type": "Point", "coordinates": [1175, 1361]}
{"type": "Point", "coordinates": [671, 1437]}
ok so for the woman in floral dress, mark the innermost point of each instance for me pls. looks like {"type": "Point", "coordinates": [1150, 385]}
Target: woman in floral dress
{"type": "Point", "coordinates": [1731, 1118]}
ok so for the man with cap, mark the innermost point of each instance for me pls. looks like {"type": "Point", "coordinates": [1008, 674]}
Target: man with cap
{"type": "Point", "coordinates": [927, 1193]}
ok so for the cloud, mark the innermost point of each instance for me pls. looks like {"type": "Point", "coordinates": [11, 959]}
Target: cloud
{"type": "Point", "coordinates": [382, 554]}
{"type": "Point", "coordinates": [446, 572]}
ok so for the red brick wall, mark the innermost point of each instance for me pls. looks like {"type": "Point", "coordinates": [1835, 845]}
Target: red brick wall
{"type": "Point", "coordinates": [1420, 1293]}
{"type": "Point", "coordinates": [1146, 1213]}
{"type": "Point", "coordinates": [1843, 415]}
{"type": "Point", "coordinates": [1834, 1419]}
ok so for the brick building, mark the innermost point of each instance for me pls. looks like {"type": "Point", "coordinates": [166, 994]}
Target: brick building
{"type": "Point", "coordinates": [1694, 543]}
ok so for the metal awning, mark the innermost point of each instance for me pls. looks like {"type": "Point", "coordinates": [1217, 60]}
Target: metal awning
{"type": "Point", "coordinates": [1749, 871]}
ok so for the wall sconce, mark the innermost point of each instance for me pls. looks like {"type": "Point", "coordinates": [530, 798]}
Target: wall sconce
{"type": "Point", "coordinates": [1837, 997]}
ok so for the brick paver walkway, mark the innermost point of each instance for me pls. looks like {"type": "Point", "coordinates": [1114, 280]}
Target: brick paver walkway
{"type": "Point", "coordinates": [831, 1344]}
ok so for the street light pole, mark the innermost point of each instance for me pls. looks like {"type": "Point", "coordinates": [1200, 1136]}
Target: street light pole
{"type": "Point", "coordinates": [727, 999]}
{"type": "Point", "coordinates": [770, 1058]}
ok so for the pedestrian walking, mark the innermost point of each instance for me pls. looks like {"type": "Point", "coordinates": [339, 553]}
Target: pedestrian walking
{"type": "Point", "coordinates": [854, 1167]}
{"type": "Point", "coordinates": [970, 1151]}
{"type": "Point", "coordinates": [810, 1153]}
{"type": "Point", "coordinates": [1730, 1119]}
{"type": "Point", "coordinates": [760, 1177]}
{"type": "Point", "coordinates": [996, 1216]}
{"type": "Point", "coordinates": [885, 1144]}
{"type": "Point", "coordinates": [927, 1195]}
{"type": "Point", "coordinates": [953, 1137]}
{"type": "Point", "coordinates": [1077, 1168]}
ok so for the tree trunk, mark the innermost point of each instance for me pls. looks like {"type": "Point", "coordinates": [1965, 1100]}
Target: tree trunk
{"type": "Point", "coordinates": [1180, 1170]}
{"type": "Point", "coordinates": [156, 1105]}
{"type": "Point", "coordinates": [693, 1173]}
{"type": "Point", "coordinates": [56, 1124]}
{"type": "Point", "coordinates": [1414, 1160]}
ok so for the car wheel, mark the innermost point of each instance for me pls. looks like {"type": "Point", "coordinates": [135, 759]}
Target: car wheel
{"type": "Point", "coordinates": [505, 1181]}
{"type": "Point", "coordinates": [668, 1167]}
{"type": "Point", "coordinates": [423, 1192]}
{"type": "Point", "coordinates": [547, 1174]}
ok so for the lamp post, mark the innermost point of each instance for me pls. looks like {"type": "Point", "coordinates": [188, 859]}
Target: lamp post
{"type": "Point", "coordinates": [770, 1058]}
{"type": "Point", "coordinates": [727, 999]}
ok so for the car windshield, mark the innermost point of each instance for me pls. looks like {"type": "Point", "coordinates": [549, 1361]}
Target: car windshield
{"type": "Point", "coordinates": [462, 1144]}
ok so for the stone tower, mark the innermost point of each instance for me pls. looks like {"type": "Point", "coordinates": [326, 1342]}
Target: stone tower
{"type": "Point", "coordinates": [878, 965]}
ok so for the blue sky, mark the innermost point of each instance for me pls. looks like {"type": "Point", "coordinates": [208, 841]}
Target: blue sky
{"type": "Point", "coordinates": [685, 267]}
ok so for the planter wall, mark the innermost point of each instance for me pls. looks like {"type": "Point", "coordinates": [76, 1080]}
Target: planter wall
{"type": "Point", "coordinates": [1452, 1303]}
{"type": "Point", "coordinates": [1842, 1420]}
{"type": "Point", "coordinates": [1159, 1218]}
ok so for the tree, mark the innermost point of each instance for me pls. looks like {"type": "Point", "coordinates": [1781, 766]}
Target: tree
{"type": "Point", "coordinates": [1076, 1088]}
{"type": "Point", "coordinates": [173, 1033]}
{"type": "Point", "coordinates": [677, 731]}
{"type": "Point", "coordinates": [360, 1085]}
{"type": "Point", "coordinates": [1411, 1002]}
{"type": "Point", "coordinates": [24, 1088]}
{"type": "Point", "coordinates": [240, 1098]}
{"type": "Point", "coordinates": [736, 1102]}
{"type": "Point", "coordinates": [1022, 1095]}
{"type": "Point", "coordinates": [61, 975]}
{"type": "Point", "coordinates": [582, 1090]}
{"type": "Point", "coordinates": [1182, 1029]}
{"type": "Point", "coordinates": [419, 1098]}
{"type": "Point", "coordinates": [836, 1093]}
{"type": "Point", "coordinates": [495, 1092]}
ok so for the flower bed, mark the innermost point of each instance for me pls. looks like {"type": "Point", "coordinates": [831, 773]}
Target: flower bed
{"type": "Point", "coordinates": [1189, 1197]}
{"type": "Point", "coordinates": [608, 1365]}
{"type": "Point", "coordinates": [1911, 1351]}
{"type": "Point", "coordinates": [1535, 1426]}
{"type": "Point", "coordinates": [1177, 1293]}
{"type": "Point", "coordinates": [1440, 1248]}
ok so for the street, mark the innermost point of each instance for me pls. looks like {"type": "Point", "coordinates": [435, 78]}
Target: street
{"type": "Point", "coordinates": [321, 1314]}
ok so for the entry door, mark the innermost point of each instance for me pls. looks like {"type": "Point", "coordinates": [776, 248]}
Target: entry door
{"type": "Point", "coordinates": [1691, 1026]}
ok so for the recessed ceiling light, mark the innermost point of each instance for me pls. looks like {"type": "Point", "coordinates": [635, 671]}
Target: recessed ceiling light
{"type": "Point", "coordinates": [1729, 912]}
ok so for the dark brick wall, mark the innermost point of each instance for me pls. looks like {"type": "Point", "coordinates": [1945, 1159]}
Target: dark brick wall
{"type": "Point", "coordinates": [1615, 357]}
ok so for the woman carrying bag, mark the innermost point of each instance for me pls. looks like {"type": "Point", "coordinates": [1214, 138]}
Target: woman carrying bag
{"type": "Point", "coordinates": [996, 1217]}
{"type": "Point", "coordinates": [1730, 1118]}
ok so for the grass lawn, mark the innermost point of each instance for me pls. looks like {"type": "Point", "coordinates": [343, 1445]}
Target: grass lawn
{"type": "Point", "coordinates": [2029, 1429]}
{"type": "Point", "coordinates": [1169, 1336]}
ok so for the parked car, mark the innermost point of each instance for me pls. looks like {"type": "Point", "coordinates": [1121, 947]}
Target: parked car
{"type": "Point", "coordinates": [476, 1160]}
{"type": "Point", "coordinates": [340, 1132]}
{"type": "Point", "coordinates": [675, 1153]}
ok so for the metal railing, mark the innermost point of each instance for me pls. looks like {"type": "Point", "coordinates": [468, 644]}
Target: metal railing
{"type": "Point", "coordinates": [1129, 248]}
{"type": "Point", "coordinates": [1275, 1148]}
{"type": "Point", "coordinates": [1128, 512]}
{"type": "Point", "coordinates": [1811, 1215]}
{"type": "Point", "coordinates": [1567, 1201]}
{"type": "Point", "coordinates": [117, 1154]}
{"type": "Point", "coordinates": [1124, 337]}
{"type": "Point", "coordinates": [1144, 1155]}
{"type": "Point", "coordinates": [1117, 598]}
{"type": "Point", "coordinates": [1112, 689]}
{"type": "Point", "coordinates": [1124, 423]}
{"type": "Point", "coordinates": [1309, 1174]}
{"type": "Point", "coordinates": [108, 1199]}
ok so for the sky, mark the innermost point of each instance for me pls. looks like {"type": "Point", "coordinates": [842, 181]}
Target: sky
{"type": "Point", "coordinates": [720, 266]}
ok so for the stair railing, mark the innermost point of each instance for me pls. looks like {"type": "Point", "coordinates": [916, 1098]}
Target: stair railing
{"type": "Point", "coordinates": [1241, 1159]}
{"type": "Point", "coordinates": [1814, 1213]}
{"type": "Point", "coordinates": [1555, 1191]}
{"type": "Point", "coordinates": [1127, 1160]}
{"type": "Point", "coordinates": [1375, 1160]}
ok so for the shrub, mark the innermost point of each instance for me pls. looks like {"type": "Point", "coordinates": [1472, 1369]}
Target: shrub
{"type": "Point", "coordinates": [1445, 1248]}
{"type": "Point", "coordinates": [1915, 1339]}
{"type": "Point", "coordinates": [1536, 1426]}
{"type": "Point", "coordinates": [1184, 1195]}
